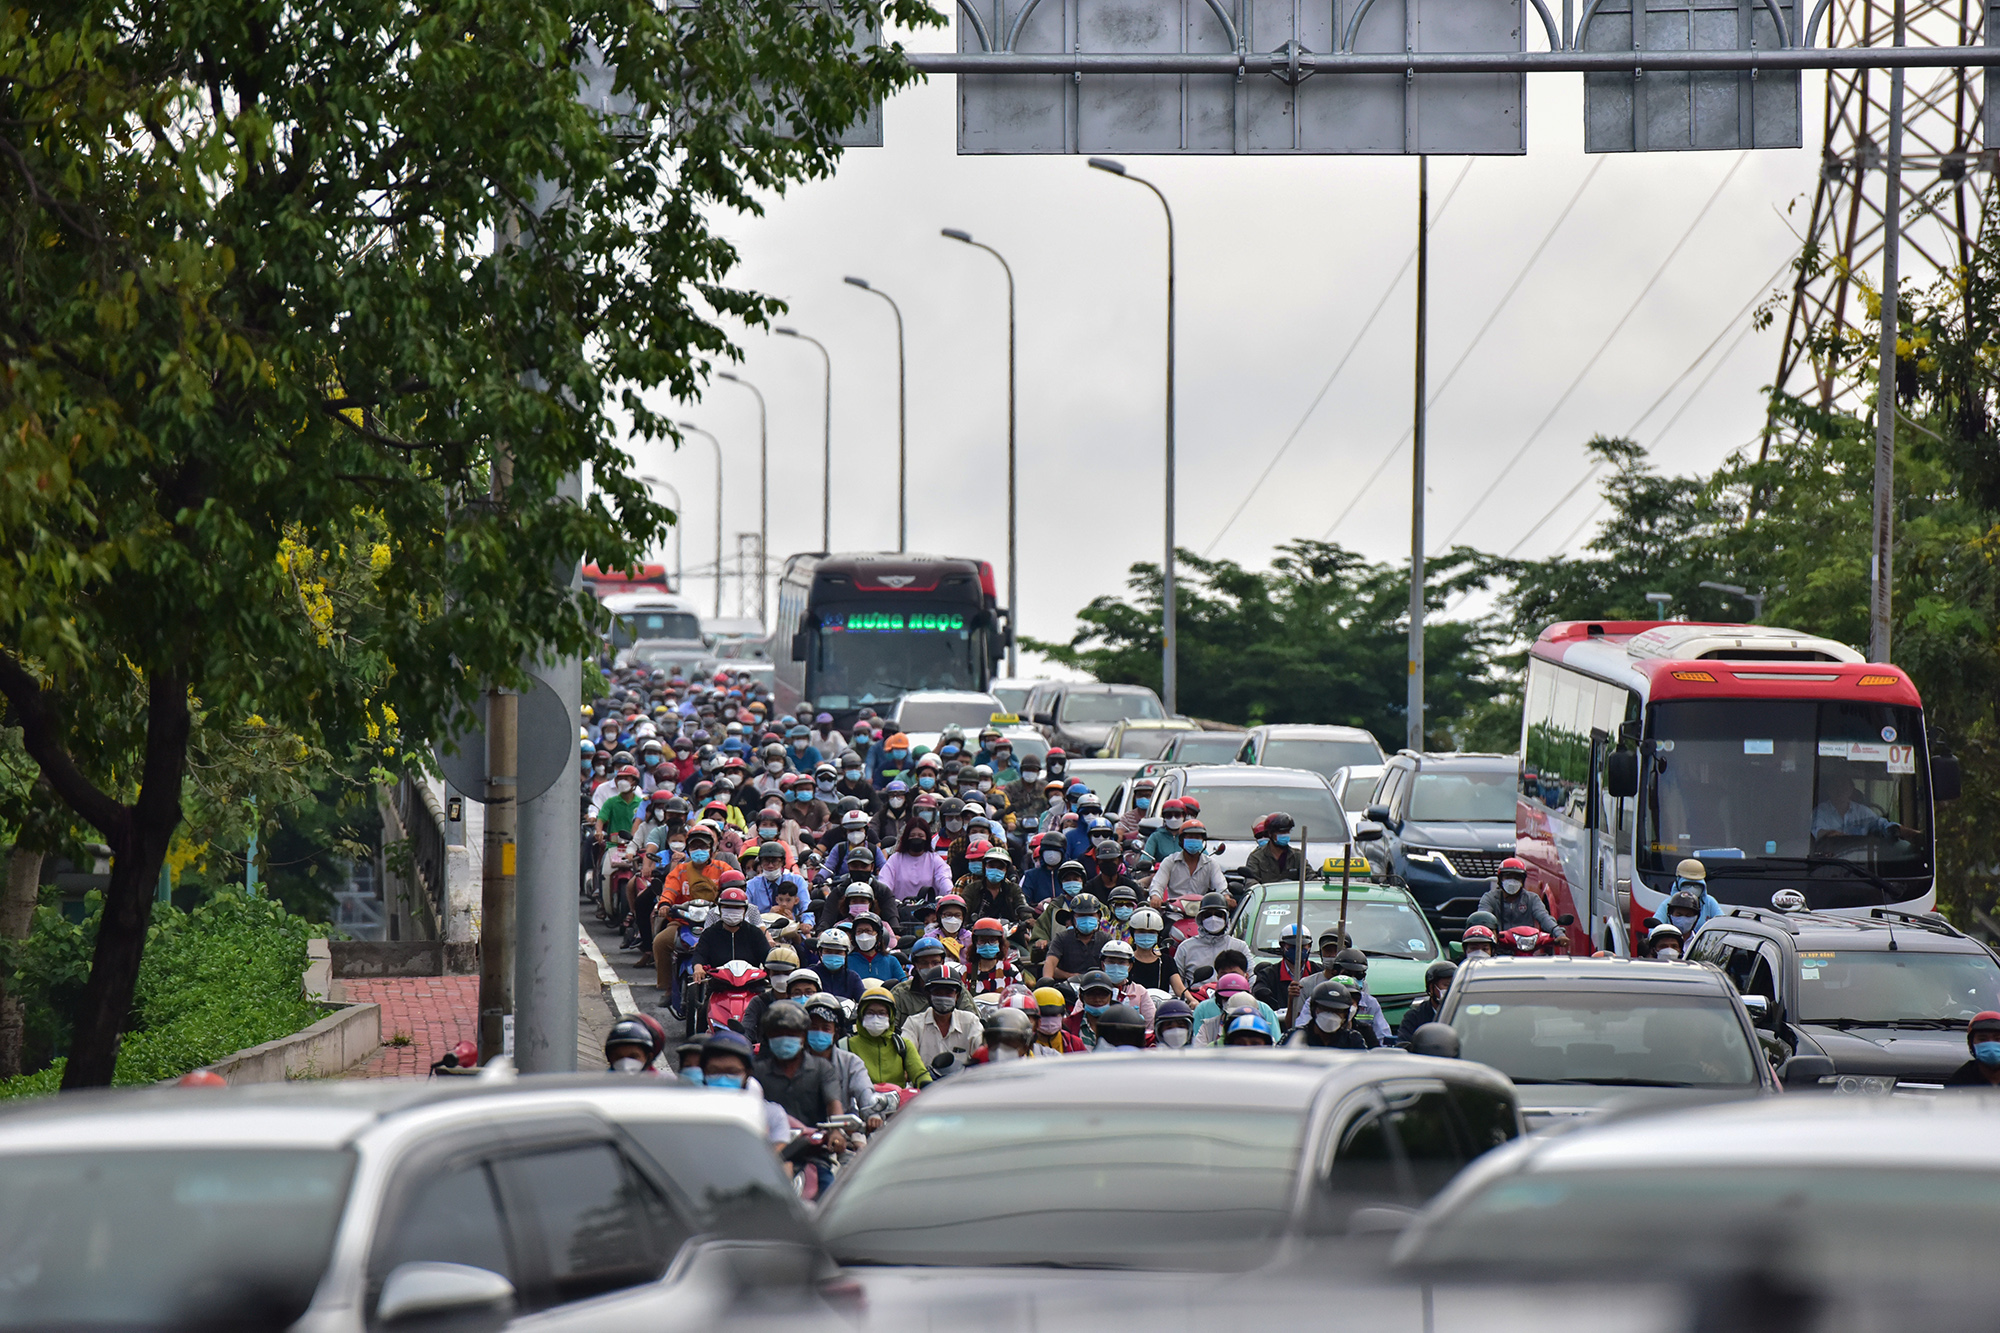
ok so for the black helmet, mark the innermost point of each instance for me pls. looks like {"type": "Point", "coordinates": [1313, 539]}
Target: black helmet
{"type": "Point", "coordinates": [1435, 1039]}
{"type": "Point", "coordinates": [1212, 902]}
{"type": "Point", "coordinates": [1330, 995]}
{"type": "Point", "coordinates": [1068, 866]}
{"type": "Point", "coordinates": [785, 1016]}
{"type": "Point", "coordinates": [1486, 919]}
{"type": "Point", "coordinates": [1120, 1025]}
{"type": "Point", "coordinates": [1278, 823]}
{"type": "Point", "coordinates": [1442, 970]}
{"type": "Point", "coordinates": [630, 1032]}
{"type": "Point", "coordinates": [1351, 963]}
{"type": "Point", "coordinates": [1008, 1027]}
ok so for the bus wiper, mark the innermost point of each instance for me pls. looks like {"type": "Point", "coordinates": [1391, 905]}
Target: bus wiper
{"type": "Point", "coordinates": [1810, 862]}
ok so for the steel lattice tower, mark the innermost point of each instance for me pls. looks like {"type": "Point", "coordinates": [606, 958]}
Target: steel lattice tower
{"type": "Point", "coordinates": [1942, 194]}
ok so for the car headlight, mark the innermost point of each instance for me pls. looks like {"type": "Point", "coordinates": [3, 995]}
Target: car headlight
{"type": "Point", "coordinates": [1427, 857]}
{"type": "Point", "coordinates": [1860, 1085]}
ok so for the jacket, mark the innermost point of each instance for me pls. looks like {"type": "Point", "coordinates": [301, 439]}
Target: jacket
{"type": "Point", "coordinates": [888, 1058]}
{"type": "Point", "coordinates": [1525, 908]}
{"type": "Point", "coordinates": [1272, 864]}
{"type": "Point", "coordinates": [1163, 843]}
{"type": "Point", "coordinates": [909, 876]}
{"type": "Point", "coordinates": [910, 1001]}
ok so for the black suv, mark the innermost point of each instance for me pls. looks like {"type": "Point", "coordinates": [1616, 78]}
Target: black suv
{"type": "Point", "coordinates": [1447, 822]}
{"type": "Point", "coordinates": [1885, 996]}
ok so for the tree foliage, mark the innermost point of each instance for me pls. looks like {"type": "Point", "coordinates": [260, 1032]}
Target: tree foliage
{"type": "Point", "coordinates": [263, 314]}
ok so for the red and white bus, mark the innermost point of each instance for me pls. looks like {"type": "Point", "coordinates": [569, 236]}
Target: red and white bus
{"type": "Point", "coordinates": [1779, 760]}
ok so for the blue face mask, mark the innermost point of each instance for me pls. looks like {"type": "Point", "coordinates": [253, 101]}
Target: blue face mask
{"type": "Point", "coordinates": [1263, 842]}
{"type": "Point", "coordinates": [994, 874]}
{"type": "Point", "coordinates": [1284, 839]}
{"type": "Point", "coordinates": [727, 1081]}
{"type": "Point", "coordinates": [820, 1041]}
{"type": "Point", "coordinates": [987, 950]}
{"type": "Point", "coordinates": [1141, 802]}
{"type": "Point", "coordinates": [899, 755]}
{"type": "Point", "coordinates": [1144, 939]}
{"type": "Point", "coordinates": [853, 775]}
{"type": "Point", "coordinates": [785, 1048]}
{"type": "Point", "coordinates": [1095, 1009]}
{"type": "Point", "coordinates": [692, 1074]}
{"type": "Point", "coordinates": [1086, 925]}
{"type": "Point", "coordinates": [1192, 844]}
{"type": "Point", "coordinates": [927, 782]}
{"type": "Point", "coordinates": [1072, 886]}
{"type": "Point", "coordinates": [1122, 913]}
{"type": "Point", "coordinates": [1987, 1053]}
{"type": "Point", "coordinates": [698, 855]}
{"type": "Point", "coordinates": [1117, 974]}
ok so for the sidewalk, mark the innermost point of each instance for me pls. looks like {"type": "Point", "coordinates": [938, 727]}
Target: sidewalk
{"type": "Point", "coordinates": [435, 1013]}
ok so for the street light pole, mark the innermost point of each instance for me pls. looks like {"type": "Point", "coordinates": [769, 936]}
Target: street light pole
{"type": "Point", "coordinates": [1013, 563]}
{"type": "Point", "coordinates": [694, 429]}
{"type": "Point", "coordinates": [1169, 650]}
{"type": "Point", "coordinates": [1414, 695]}
{"type": "Point", "coordinates": [826, 474]}
{"type": "Point", "coordinates": [1881, 570]}
{"type": "Point", "coordinates": [680, 513]}
{"type": "Point", "coordinates": [902, 423]}
{"type": "Point", "coordinates": [763, 494]}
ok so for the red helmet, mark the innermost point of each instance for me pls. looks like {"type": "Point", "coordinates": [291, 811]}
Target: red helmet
{"type": "Point", "coordinates": [1194, 828]}
{"type": "Point", "coordinates": [202, 1078]}
{"type": "Point", "coordinates": [1257, 829]}
{"type": "Point", "coordinates": [1190, 805]}
{"type": "Point", "coordinates": [1473, 933]}
{"type": "Point", "coordinates": [1175, 806]}
{"type": "Point", "coordinates": [976, 849]}
{"type": "Point", "coordinates": [629, 771]}
{"type": "Point", "coordinates": [1513, 865]}
{"type": "Point", "coordinates": [987, 925]}
{"type": "Point", "coordinates": [925, 802]}
{"type": "Point", "coordinates": [951, 900]}
{"type": "Point", "coordinates": [733, 896]}
{"type": "Point", "coordinates": [1056, 752]}
{"type": "Point", "coordinates": [467, 1054]}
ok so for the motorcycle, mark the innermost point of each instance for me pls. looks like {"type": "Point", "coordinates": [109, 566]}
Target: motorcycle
{"type": "Point", "coordinates": [1530, 942]}
{"type": "Point", "coordinates": [687, 921]}
{"type": "Point", "coordinates": [731, 987]}
{"type": "Point", "coordinates": [812, 1154]}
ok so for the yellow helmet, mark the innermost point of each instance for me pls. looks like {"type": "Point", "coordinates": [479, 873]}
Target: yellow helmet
{"type": "Point", "coordinates": [1048, 997]}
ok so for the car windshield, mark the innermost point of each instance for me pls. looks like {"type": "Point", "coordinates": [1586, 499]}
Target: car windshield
{"type": "Point", "coordinates": [1228, 812]}
{"type": "Point", "coordinates": [166, 1238]}
{"type": "Point", "coordinates": [1380, 930]}
{"type": "Point", "coordinates": [1206, 747]}
{"type": "Point", "coordinates": [1107, 706]}
{"type": "Point", "coordinates": [1145, 743]}
{"type": "Point", "coordinates": [869, 657]}
{"type": "Point", "coordinates": [1450, 797]}
{"type": "Point", "coordinates": [1324, 757]}
{"type": "Point", "coordinates": [1358, 792]}
{"type": "Point", "coordinates": [1770, 781]}
{"type": "Point", "coordinates": [1613, 1037]}
{"type": "Point", "coordinates": [634, 626]}
{"type": "Point", "coordinates": [1818, 1223]}
{"type": "Point", "coordinates": [937, 714]}
{"type": "Point", "coordinates": [1881, 987]}
{"type": "Point", "coordinates": [1152, 1187]}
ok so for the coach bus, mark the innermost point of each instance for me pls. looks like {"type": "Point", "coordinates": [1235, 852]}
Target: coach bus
{"type": "Point", "coordinates": [1779, 760]}
{"type": "Point", "coordinates": [859, 630]}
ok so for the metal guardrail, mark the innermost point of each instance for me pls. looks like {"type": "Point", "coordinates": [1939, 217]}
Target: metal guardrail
{"type": "Point", "coordinates": [419, 897]}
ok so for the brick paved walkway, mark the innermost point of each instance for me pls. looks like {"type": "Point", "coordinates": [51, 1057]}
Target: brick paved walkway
{"type": "Point", "coordinates": [436, 1012]}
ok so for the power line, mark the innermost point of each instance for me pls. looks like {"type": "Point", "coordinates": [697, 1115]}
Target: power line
{"type": "Point", "coordinates": [1313, 406]}
{"type": "Point", "coordinates": [1397, 449]}
{"type": "Point", "coordinates": [1604, 346]}
{"type": "Point", "coordinates": [1723, 361]}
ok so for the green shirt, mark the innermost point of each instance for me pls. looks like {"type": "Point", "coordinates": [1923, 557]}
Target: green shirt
{"type": "Point", "coordinates": [619, 811]}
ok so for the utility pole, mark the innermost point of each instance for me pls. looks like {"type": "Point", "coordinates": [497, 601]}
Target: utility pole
{"type": "Point", "coordinates": [1882, 567]}
{"type": "Point", "coordinates": [496, 881]}
{"type": "Point", "coordinates": [1414, 733]}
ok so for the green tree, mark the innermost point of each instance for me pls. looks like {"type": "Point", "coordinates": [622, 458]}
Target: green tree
{"type": "Point", "coordinates": [254, 313]}
{"type": "Point", "coordinates": [1320, 636]}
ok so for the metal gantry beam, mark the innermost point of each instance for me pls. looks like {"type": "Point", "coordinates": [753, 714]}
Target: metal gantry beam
{"type": "Point", "coordinates": [1277, 63]}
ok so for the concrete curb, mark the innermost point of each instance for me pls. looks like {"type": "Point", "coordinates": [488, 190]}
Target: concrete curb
{"type": "Point", "coordinates": [619, 991]}
{"type": "Point", "coordinates": [344, 1038]}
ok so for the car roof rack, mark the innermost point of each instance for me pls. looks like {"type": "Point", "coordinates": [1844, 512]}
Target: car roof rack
{"type": "Point", "coordinates": [1767, 915]}
{"type": "Point", "coordinates": [1930, 921]}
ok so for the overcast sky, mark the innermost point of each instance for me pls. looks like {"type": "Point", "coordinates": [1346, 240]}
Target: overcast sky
{"type": "Point", "coordinates": [1280, 262]}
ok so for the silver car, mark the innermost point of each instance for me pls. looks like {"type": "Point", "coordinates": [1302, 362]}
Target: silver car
{"type": "Point", "coordinates": [542, 1204]}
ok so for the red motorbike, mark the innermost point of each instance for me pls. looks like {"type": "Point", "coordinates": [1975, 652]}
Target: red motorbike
{"type": "Point", "coordinates": [731, 988]}
{"type": "Point", "coordinates": [1530, 942]}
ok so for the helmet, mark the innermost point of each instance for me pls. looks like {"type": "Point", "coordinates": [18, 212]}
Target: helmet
{"type": "Point", "coordinates": [1121, 1025]}
{"type": "Point", "coordinates": [1278, 823]}
{"type": "Point", "coordinates": [1116, 949]}
{"type": "Point", "coordinates": [1212, 903]}
{"type": "Point", "coordinates": [630, 1032]}
{"type": "Point", "coordinates": [1435, 1039]}
{"type": "Point", "coordinates": [771, 851]}
{"type": "Point", "coordinates": [1330, 995]}
{"type": "Point", "coordinates": [834, 939]}
{"type": "Point", "coordinates": [997, 856]}
{"type": "Point", "coordinates": [728, 1041]}
{"type": "Point", "coordinates": [1664, 933]}
{"type": "Point", "coordinates": [1147, 919]}
{"type": "Point", "coordinates": [1174, 806]}
{"type": "Point", "coordinates": [1009, 1027]}
{"type": "Point", "coordinates": [1685, 903]}
{"type": "Point", "coordinates": [803, 974]}
{"type": "Point", "coordinates": [773, 751]}
{"type": "Point", "coordinates": [1231, 984]}
{"type": "Point", "coordinates": [784, 953]}
{"type": "Point", "coordinates": [874, 992]}
{"type": "Point", "coordinates": [951, 900]}
{"type": "Point", "coordinates": [926, 945]}
{"type": "Point", "coordinates": [854, 819]}
{"type": "Point", "coordinates": [988, 927]}
{"type": "Point", "coordinates": [733, 897]}
{"type": "Point", "coordinates": [629, 770]}
{"type": "Point", "coordinates": [948, 975]}
{"type": "Point", "coordinates": [1104, 849]}
{"type": "Point", "coordinates": [1194, 828]}
{"type": "Point", "coordinates": [976, 849]}
{"type": "Point", "coordinates": [1351, 963]}
{"type": "Point", "coordinates": [1166, 1011]}
{"type": "Point", "coordinates": [1249, 1026]}
{"type": "Point", "coordinates": [1073, 868]}
{"type": "Point", "coordinates": [858, 891]}
{"type": "Point", "coordinates": [1478, 934]}
{"type": "Point", "coordinates": [1086, 904]}
{"type": "Point", "coordinates": [1048, 997]}
{"type": "Point", "coordinates": [1442, 970]}
{"type": "Point", "coordinates": [785, 1016]}
{"type": "Point", "coordinates": [201, 1078]}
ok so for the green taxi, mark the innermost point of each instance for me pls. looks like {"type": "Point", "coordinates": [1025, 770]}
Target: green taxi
{"type": "Point", "coordinates": [1383, 921]}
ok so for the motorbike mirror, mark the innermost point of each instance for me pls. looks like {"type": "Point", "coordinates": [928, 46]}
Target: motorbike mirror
{"type": "Point", "coordinates": [1946, 777]}
{"type": "Point", "coordinates": [1566, 919]}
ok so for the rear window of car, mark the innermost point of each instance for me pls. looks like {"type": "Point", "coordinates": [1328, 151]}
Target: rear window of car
{"type": "Point", "coordinates": [1100, 706]}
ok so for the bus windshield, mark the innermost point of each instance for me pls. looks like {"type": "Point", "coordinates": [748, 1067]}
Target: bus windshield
{"type": "Point", "coordinates": [1834, 792]}
{"type": "Point", "coordinates": [867, 656]}
{"type": "Point", "coordinates": [635, 626]}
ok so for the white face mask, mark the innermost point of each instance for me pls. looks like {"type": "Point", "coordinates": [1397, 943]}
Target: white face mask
{"type": "Point", "coordinates": [875, 1024]}
{"type": "Point", "coordinates": [985, 785]}
{"type": "Point", "coordinates": [1510, 886]}
{"type": "Point", "coordinates": [1174, 821]}
{"type": "Point", "coordinates": [865, 940]}
{"type": "Point", "coordinates": [857, 836]}
{"type": "Point", "coordinates": [624, 785]}
{"type": "Point", "coordinates": [732, 915]}
{"type": "Point", "coordinates": [999, 1053]}
{"type": "Point", "coordinates": [1174, 1036]}
{"type": "Point", "coordinates": [1668, 953]}
{"type": "Point", "coordinates": [774, 766]}
{"type": "Point", "coordinates": [951, 922]}
{"type": "Point", "coordinates": [1213, 924]}
{"type": "Point", "coordinates": [627, 1064]}
{"type": "Point", "coordinates": [1327, 1022]}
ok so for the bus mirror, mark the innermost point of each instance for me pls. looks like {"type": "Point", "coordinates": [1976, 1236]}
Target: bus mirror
{"type": "Point", "coordinates": [1946, 778]}
{"type": "Point", "coordinates": [1621, 773]}
{"type": "Point", "coordinates": [799, 646]}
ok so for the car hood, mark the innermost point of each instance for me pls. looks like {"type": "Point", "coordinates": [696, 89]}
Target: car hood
{"type": "Point", "coordinates": [1546, 1106]}
{"type": "Point", "coordinates": [1397, 981]}
{"type": "Point", "coordinates": [1918, 1057]}
{"type": "Point", "coordinates": [1461, 835]}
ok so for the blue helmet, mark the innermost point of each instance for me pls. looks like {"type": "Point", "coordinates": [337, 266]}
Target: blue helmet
{"type": "Point", "coordinates": [1253, 1023]}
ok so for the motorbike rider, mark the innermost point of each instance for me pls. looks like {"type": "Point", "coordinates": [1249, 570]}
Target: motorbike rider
{"type": "Point", "coordinates": [913, 869]}
{"type": "Point", "coordinates": [1248, 1030]}
{"type": "Point", "coordinates": [888, 1057]}
{"type": "Point", "coordinates": [1231, 989]}
{"type": "Point", "coordinates": [1280, 983]}
{"type": "Point", "coordinates": [912, 994]}
{"type": "Point", "coordinates": [1052, 1034]}
{"type": "Point", "coordinates": [1138, 806]}
{"type": "Point", "coordinates": [631, 1047]}
{"type": "Point", "coordinates": [779, 965]}
{"type": "Point", "coordinates": [1121, 1028]}
{"type": "Point", "coordinates": [1116, 962]}
{"type": "Point", "coordinates": [1057, 912]}
{"type": "Point", "coordinates": [1165, 841]}
{"type": "Point", "coordinates": [998, 897]}
{"type": "Point", "coordinates": [993, 970]}
{"type": "Point", "coordinates": [1173, 1025]}
{"type": "Point", "coordinates": [1109, 859]}
{"type": "Point", "coordinates": [1078, 948]}
{"type": "Point", "coordinates": [1024, 794]}
{"type": "Point", "coordinates": [1274, 859]}
{"type": "Point", "coordinates": [949, 926]}
{"type": "Point", "coordinates": [802, 1084]}
{"type": "Point", "coordinates": [699, 874]}
{"type": "Point", "coordinates": [1009, 1035]}
{"type": "Point", "coordinates": [871, 959]}
{"type": "Point", "coordinates": [726, 1067]}
{"type": "Point", "coordinates": [946, 1029]}
{"type": "Point", "coordinates": [730, 936]}
{"type": "Point", "coordinates": [1437, 980]}
{"type": "Point", "coordinates": [833, 946]}
{"type": "Point", "coordinates": [1203, 947]}
{"type": "Point", "coordinates": [1191, 872]}
{"type": "Point", "coordinates": [772, 877]}
{"type": "Point", "coordinates": [892, 812]}
{"type": "Point", "coordinates": [1350, 967]}
{"type": "Point", "coordinates": [1152, 968]}
{"type": "Point", "coordinates": [1478, 942]}
{"type": "Point", "coordinates": [1511, 903]}
{"type": "Point", "coordinates": [1038, 881]}
{"type": "Point", "coordinates": [857, 1089]}
{"type": "Point", "coordinates": [1330, 1006]}
{"type": "Point", "coordinates": [1665, 942]}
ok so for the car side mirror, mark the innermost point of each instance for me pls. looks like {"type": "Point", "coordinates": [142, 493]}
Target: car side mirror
{"type": "Point", "coordinates": [1805, 1071]}
{"type": "Point", "coordinates": [1456, 949]}
{"type": "Point", "coordinates": [1759, 1009]}
{"type": "Point", "coordinates": [1045, 719]}
{"type": "Point", "coordinates": [1378, 813]}
{"type": "Point", "coordinates": [1367, 830]}
{"type": "Point", "coordinates": [428, 1290]}
{"type": "Point", "coordinates": [1946, 777]}
{"type": "Point", "coordinates": [1621, 773]}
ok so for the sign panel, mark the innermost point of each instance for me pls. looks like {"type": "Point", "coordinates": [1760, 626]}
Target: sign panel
{"type": "Point", "coordinates": [1675, 112]}
{"type": "Point", "coordinates": [1295, 111]}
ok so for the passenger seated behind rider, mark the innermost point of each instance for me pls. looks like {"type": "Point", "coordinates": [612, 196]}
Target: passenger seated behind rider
{"type": "Point", "coordinates": [888, 1056]}
{"type": "Point", "coordinates": [1512, 905]}
{"type": "Point", "coordinates": [1327, 1020]}
{"type": "Point", "coordinates": [1230, 985]}
{"type": "Point", "coordinates": [1079, 948]}
{"type": "Point", "coordinates": [1437, 980]}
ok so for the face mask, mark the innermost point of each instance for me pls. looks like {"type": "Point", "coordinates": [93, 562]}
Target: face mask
{"type": "Point", "coordinates": [1072, 886]}
{"type": "Point", "coordinates": [1667, 953]}
{"type": "Point", "coordinates": [819, 1041]}
{"type": "Point", "coordinates": [1327, 1022]}
{"type": "Point", "coordinates": [692, 1074]}
{"type": "Point", "coordinates": [1263, 842]}
{"type": "Point", "coordinates": [995, 874]}
{"type": "Point", "coordinates": [786, 1048]}
{"type": "Point", "coordinates": [951, 923]}
{"type": "Point", "coordinates": [943, 1004]}
{"type": "Point", "coordinates": [852, 774]}
{"type": "Point", "coordinates": [1094, 1010]}
{"type": "Point", "coordinates": [927, 817]}
{"type": "Point", "coordinates": [976, 869]}
{"type": "Point", "coordinates": [1122, 913]}
{"type": "Point", "coordinates": [895, 802]}
{"type": "Point", "coordinates": [1117, 974]}
{"type": "Point", "coordinates": [775, 766]}
{"type": "Point", "coordinates": [1056, 769]}
{"type": "Point", "coordinates": [856, 909]}
{"type": "Point", "coordinates": [1283, 839]}
{"type": "Point", "coordinates": [627, 1064]}
{"type": "Point", "coordinates": [1051, 858]}
{"type": "Point", "coordinates": [825, 785]}
{"type": "Point", "coordinates": [730, 1082]}
{"type": "Point", "coordinates": [1174, 821]}
{"type": "Point", "coordinates": [899, 755]}
{"type": "Point", "coordinates": [1479, 951]}
{"type": "Point", "coordinates": [1987, 1052]}
{"type": "Point", "coordinates": [927, 782]}
{"type": "Point", "coordinates": [1030, 774]}
{"type": "Point", "coordinates": [864, 941]}
{"type": "Point", "coordinates": [732, 916]}
{"type": "Point", "coordinates": [913, 847]}
{"type": "Point", "coordinates": [875, 1024]}
{"type": "Point", "coordinates": [624, 785]}
{"type": "Point", "coordinates": [1049, 1024]}
{"type": "Point", "coordinates": [699, 856]}
{"type": "Point", "coordinates": [767, 831]}
{"type": "Point", "coordinates": [987, 950]}
{"type": "Point", "coordinates": [999, 1053]}
{"type": "Point", "coordinates": [1213, 925]}
{"type": "Point", "coordinates": [1174, 1036]}
{"type": "Point", "coordinates": [954, 825]}
{"type": "Point", "coordinates": [1144, 939]}
{"type": "Point", "coordinates": [1685, 923]}
{"type": "Point", "coordinates": [986, 784]}
{"type": "Point", "coordinates": [1086, 925]}
{"type": "Point", "coordinates": [1510, 887]}
{"type": "Point", "coordinates": [1191, 845]}
{"type": "Point", "coordinates": [835, 961]}
{"type": "Point", "coordinates": [855, 837]}
{"type": "Point", "coordinates": [677, 847]}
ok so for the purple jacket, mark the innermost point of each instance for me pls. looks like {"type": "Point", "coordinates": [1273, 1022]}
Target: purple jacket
{"type": "Point", "coordinates": [907, 876]}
